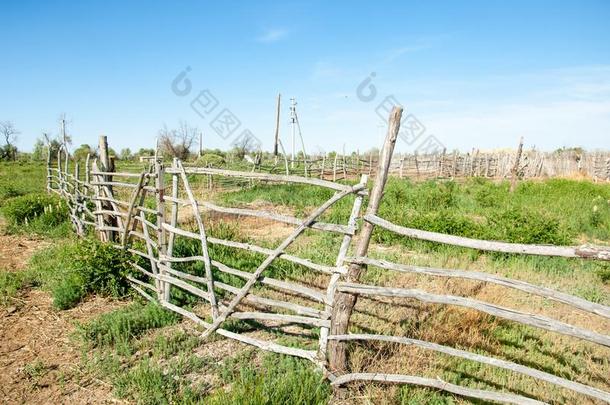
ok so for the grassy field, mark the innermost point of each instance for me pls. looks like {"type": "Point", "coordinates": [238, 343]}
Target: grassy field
{"type": "Point", "coordinates": [148, 355]}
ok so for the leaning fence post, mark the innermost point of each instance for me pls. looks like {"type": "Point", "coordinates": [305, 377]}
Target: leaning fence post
{"type": "Point", "coordinates": [339, 262]}
{"type": "Point", "coordinates": [344, 303]}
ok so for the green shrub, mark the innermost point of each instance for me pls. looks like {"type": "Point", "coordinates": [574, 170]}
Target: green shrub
{"type": "Point", "coordinates": [74, 270]}
{"type": "Point", "coordinates": [8, 191]}
{"type": "Point", "coordinates": [124, 324]}
{"type": "Point", "coordinates": [525, 226]}
{"type": "Point", "coordinates": [27, 208]}
{"type": "Point", "coordinates": [210, 159]}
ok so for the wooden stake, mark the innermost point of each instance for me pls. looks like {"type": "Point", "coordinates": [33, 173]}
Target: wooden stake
{"type": "Point", "coordinates": [515, 170]}
{"type": "Point", "coordinates": [344, 303]}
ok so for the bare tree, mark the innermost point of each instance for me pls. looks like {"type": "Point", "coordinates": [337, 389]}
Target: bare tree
{"type": "Point", "coordinates": [66, 139]}
{"type": "Point", "coordinates": [245, 144]}
{"type": "Point", "coordinates": [9, 133]}
{"type": "Point", "coordinates": [177, 142]}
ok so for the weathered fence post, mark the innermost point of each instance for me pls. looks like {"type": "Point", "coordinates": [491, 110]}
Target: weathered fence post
{"type": "Point", "coordinates": [49, 172]}
{"type": "Point", "coordinates": [323, 163]}
{"type": "Point", "coordinates": [515, 170]}
{"type": "Point", "coordinates": [335, 168]}
{"type": "Point", "coordinates": [105, 166]}
{"type": "Point", "coordinates": [344, 303]}
{"type": "Point", "coordinates": [441, 163]}
{"type": "Point", "coordinates": [160, 208]}
{"type": "Point", "coordinates": [330, 291]}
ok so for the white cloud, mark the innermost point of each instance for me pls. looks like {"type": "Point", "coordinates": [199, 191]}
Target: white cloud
{"type": "Point", "coordinates": [272, 35]}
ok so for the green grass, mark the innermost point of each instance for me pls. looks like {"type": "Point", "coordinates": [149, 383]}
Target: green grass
{"type": "Point", "coordinates": [278, 380]}
{"type": "Point", "coordinates": [148, 358]}
{"type": "Point", "coordinates": [119, 327]}
{"type": "Point", "coordinates": [17, 179]}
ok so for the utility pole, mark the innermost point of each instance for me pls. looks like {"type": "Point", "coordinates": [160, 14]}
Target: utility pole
{"type": "Point", "coordinates": [200, 143]}
{"type": "Point", "coordinates": [63, 131]}
{"type": "Point", "coordinates": [293, 121]}
{"type": "Point", "coordinates": [277, 127]}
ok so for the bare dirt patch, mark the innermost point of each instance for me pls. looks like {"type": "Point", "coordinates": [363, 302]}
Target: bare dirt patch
{"type": "Point", "coordinates": [40, 364]}
{"type": "Point", "coordinates": [16, 250]}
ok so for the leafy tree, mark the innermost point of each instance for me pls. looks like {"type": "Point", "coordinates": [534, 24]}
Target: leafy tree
{"type": "Point", "coordinates": [82, 151]}
{"type": "Point", "coordinates": [125, 154]}
{"type": "Point", "coordinates": [145, 152]}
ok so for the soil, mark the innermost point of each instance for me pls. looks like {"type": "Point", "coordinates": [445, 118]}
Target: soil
{"type": "Point", "coordinates": [38, 361]}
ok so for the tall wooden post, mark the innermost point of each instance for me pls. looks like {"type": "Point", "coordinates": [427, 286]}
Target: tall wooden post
{"type": "Point", "coordinates": [105, 165]}
{"type": "Point", "coordinates": [49, 172]}
{"type": "Point", "coordinates": [160, 194]}
{"type": "Point", "coordinates": [441, 163]}
{"type": "Point", "coordinates": [277, 126]}
{"type": "Point", "coordinates": [344, 302]}
{"type": "Point", "coordinates": [515, 170]}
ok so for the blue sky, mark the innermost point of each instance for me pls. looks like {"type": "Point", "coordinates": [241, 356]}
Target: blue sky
{"type": "Point", "coordinates": [475, 74]}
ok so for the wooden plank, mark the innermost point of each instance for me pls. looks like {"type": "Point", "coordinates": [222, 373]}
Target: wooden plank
{"type": "Point", "coordinates": [261, 344]}
{"type": "Point", "coordinates": [558, 296]}
{"type": "Point", "coordinates": [132, 203]}
{"type": "Point", "coordinates": [438, 384]}
{"type": "Point", "coordinates": [253, 248]}
{"type": "Point", "coordinates": [507, 365]}
{"type": "Point", "coordinates": [287, 219]}
{"type": "Point", "coordinates": [267, 177]}
{"type": "Point", "coordinates": [252, 298]}
{"type": "Point", "coordinates": [281, 318]}
{"type": "Point", "coordinates": [203, 240]}
{"type": "Point", "coordinates": [585, 251]}
{"type": "Point", "coordinates": [538, 321]}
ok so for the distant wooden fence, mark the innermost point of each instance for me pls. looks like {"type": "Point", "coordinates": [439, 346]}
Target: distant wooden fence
{"type": "Point", "coordinates": [140, 213]}
{"type": "Point", "coordinates": [492, 165]}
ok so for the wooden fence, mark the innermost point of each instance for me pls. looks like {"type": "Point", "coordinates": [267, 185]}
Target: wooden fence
{"type": "Point", "coordinates": [143, 213]}
{"type": "Point", "coordinates": [530, 164]}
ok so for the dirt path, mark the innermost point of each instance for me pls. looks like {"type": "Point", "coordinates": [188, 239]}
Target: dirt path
{"type": "Point", "coordinates": [39, 364]}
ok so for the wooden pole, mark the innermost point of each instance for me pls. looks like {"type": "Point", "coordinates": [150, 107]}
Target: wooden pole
{"type": "Point", "coordinates": [441, 163]}
{"type": "Point", "coordinates": [515, 170]}
{"type": "Point", "coordinates": [335, 167]}
{"type": "Point", "coordinates": [344, 303]}
{"type": "Point", "coordinates": [323, 164]}
{"type": "Point", "coordinates": [105, 165]}
{"type": "Point", "coordinates": [160, 200]}
{"type": "Point", "coordinates": [49, 172]}
{"type": "Point", "coordinates": [277, 126]}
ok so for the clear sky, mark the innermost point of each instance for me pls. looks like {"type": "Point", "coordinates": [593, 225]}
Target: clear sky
{"type": "Point", "coordinates": [474, 74]}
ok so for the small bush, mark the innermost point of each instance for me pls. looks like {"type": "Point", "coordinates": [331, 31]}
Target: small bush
{"type": "Point", "coordinates": [27, 208]}
{"type": "Point", "coordinates": [8, 191]}
{"type": "Point", "coordinates": [124, 324]}
{"type": "Point", "coordinates": [210, 159]}
{"type": "Point", "coordinates": [39, 213]}
{"type": "Point", "coordinates": [72, 271]}
{"type": "Point", "coordinates": [524, 226]}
